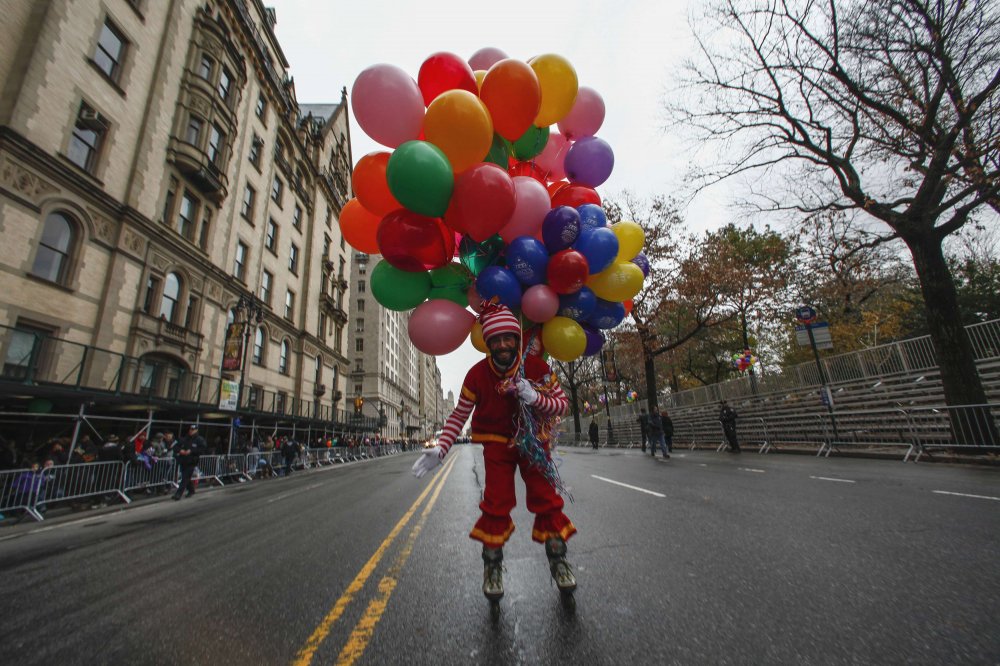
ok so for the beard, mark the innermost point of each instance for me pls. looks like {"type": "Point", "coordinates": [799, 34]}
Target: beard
{"type": "Point", "coordinates": [503, 358]}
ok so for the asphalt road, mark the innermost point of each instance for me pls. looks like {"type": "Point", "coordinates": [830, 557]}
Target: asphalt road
{"type": "Point", "coordinates": [707, 558]}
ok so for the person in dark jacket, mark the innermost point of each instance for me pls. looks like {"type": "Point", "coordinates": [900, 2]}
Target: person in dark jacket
{"type": "Point", "coordinates": [727, 416]}
{"type": "Point", "coordinates": [289, 451]}
{"type": "Point", "coordinates": [594, 433]}
{"type": "Point", "coordinates": [656, 434]}
{"type": "Point", "coordinates": [187, 451]}
{"type": "Point", "coordinates": [668, 431]}
{"type": "Point", "coordinates": [644, 427]}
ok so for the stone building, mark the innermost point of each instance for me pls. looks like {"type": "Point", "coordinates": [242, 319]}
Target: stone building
{"type": "Point", "coordinates": [156, 172]}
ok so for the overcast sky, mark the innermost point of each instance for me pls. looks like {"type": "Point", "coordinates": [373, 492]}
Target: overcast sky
{"type": "Point", "coordinates": [627, 50]}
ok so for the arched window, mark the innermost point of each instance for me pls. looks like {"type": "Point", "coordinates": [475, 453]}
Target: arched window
{"type": "Point", "coordinates": [319, 370]}
{"type": "Point", "coordinates": [283, 358]}
{"type": "Point", "coordinates": [54, 247]}
{"type": "Point", "coordinates": [171, 295]}
{"type": "Point", "coordinates": [258, 347]}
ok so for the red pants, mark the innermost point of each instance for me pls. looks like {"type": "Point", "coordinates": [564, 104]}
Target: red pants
{"type": "Point", "coordinates": [494, 527]}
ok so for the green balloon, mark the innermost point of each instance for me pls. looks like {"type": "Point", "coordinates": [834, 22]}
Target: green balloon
{"type": "Point", "coordinates": [452, 275]}
{"type": "Point", "coordinates": [531, 143]}
{"type": "Point", "coordinates": [477, 256]}
{"type": "Point", "coordinates": [451, 293]}
{"type": "Point", "coordinates": [420, 177]}
{"type": "Point", "coordinates": [399, 290]}
{"type": "Point", "coordinates": [499, 152]}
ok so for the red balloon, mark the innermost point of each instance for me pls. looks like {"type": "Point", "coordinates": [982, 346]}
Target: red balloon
{"type": "Point", "coordinates": [575, 195]}
{"type": "Point", "coordinates": [527, 169]}
{"type": "Point", "coordinates": [445, 71]}
{"type": "Point", "coordinates": [482, 202]}
{"type": "Point", "coordinates": [567, 272]}
{"type": "Point", "coordinates": [413, 242]}
{"type": "Point", "coordinates": [555, 187]}
{"type": "Point", "coordinates": [628, 306]}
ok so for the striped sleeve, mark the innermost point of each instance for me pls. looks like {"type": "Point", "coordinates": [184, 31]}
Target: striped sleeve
{"type": "Point", "coordinates": [553, 403]}
{"type": "Point", "coordinates": [453, 426]}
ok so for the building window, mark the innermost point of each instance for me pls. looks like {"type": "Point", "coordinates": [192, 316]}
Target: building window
{"type": "Point", "coordinates": [187, 215]}
{"type": "Point", "coordinates": [329, 218]}
{"type": "Point", "coordinates": [318, 377]}
{"type": "Point", "coordinates": [261, 109]}
{"type": "Point", "coordinates": [271, 236]}
{"type": "Point", "coordinates": [168, 203]}
{"type": "Point", "coordinates": [283, 358]}
{"type": "Point", "coordinates": [206, 228]}
{"type": "Point", "coordinates": [255, 145]}
{"type": "Point", "coordinates": [191, 312]}
{"type": "Point", "coordinates": [54, 248]}
{"type": "Point", "coordinates": [24, 347]}
{"type": "Point", "coordinates": [249, 195]}
{"type": "Point", "coordinates": [171, 294]}
{"type": "Point", "coordinates": [193, 135]}
{"type": "Point", "coordinates": [297, 217]}
{"type": "Point", "coordinates": [110, 51]}
{"type": "Point", "coordinates": [276, 189]}
{"type": "Point", "coordinates": [152, 286]}
{"type": "Point", "coordinates": [293, 259]}
{"type": "Point", "coordinates": [322, 326]}
{"type": "Point", "coordinates": [289, 305]}
{"type": "Point", "coordinates": [266, 281]}
{"type": "Point", "coordinates": [205, 68]}
{"type": "Point", "coordinates": [361, 305]}
{"type": "Point", "coordinates": [216, 140]}
{"type": "Point", "coordinates": [88, 135]}
{"type": "Point", "coordinates": [338, 340]}
{"type": "Point", "coordinates": [357, 389]}
{"type": "Point", "coordinates": [258, 347]}
{"type": "Point", "coordinates": [359, 345]}
{"type": "Point", "coordinates": [359, 325]}
{"type": "Point", "coordinates": [239, 266]}
{"type": "Point", "coordinates": [361, 286]}
{"type": "Point", "coordinates": [279, 402]}
{"type": "Point", "coordinates": [225, 82]}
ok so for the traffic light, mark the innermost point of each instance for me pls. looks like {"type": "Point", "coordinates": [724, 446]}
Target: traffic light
{"type": "Point", "coordinates": [359, 402]}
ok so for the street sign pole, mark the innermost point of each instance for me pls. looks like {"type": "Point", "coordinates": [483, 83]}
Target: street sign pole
{"type": "Point", "coordinates": [822, 379]}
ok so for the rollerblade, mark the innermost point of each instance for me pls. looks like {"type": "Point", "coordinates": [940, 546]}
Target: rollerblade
{"type": "Point", "coordinates": [493, 574]}
{"type": "Point", "coordinates": [562, 572]}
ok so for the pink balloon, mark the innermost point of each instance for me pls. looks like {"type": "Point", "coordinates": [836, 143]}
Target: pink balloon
{"type": "Point", "coordinates": [540, 303]}
{"type": "Point", "coordinates": [486, 57]}
{"type": "Point", "coordinates": [388, 105]}
{"type": "Point", "coordinates": [439, 326]}
{"type": "Point", "coordinates": [532, 205]}
{"type": "Point", "coordinates": [550, 160]}
{"type": "Point", "coordinates": [586, 116]}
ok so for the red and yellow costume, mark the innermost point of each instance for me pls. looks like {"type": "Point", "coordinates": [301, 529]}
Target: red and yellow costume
{"type": "Point", "coordinates": [493, 425]}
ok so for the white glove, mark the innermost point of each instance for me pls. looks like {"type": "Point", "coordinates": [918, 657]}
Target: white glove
{"type": "Point", "coordinates": [526, 392]}
{"type": "Point", "coordinates": [428, 461]}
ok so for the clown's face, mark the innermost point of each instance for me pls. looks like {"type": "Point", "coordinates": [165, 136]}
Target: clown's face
{"type": "Point", "coordinates": [503, 349]}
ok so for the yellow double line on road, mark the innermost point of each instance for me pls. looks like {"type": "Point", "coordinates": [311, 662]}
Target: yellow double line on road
{"type": "Point", "coordinates": [363, 631]}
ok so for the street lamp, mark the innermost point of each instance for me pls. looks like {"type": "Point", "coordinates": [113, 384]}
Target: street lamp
{"type": "Point", "coordinates": [248, 309]}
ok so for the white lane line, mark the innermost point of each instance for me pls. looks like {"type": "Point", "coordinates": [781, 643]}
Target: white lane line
{"type": "Point", "coordinates": [827, 478]}
{"type": "Point", "coordinates": [751, 469]}
{"type": "Point", "coordinates": [986, 497]}
{"type": "Point", "coordinates": [625, 485]}
{"type": "Point", "coordinates": [286, 495]}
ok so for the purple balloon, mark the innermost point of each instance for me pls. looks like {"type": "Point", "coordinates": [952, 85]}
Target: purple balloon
{"type": "Point", "coordinates": [560, 228]}
{"type": "Point", "coordinates": [589, 161]}
{"type": "Point", "coordinates": [642, 262]}
{"type": "Point", "coordinates": [595, 340]}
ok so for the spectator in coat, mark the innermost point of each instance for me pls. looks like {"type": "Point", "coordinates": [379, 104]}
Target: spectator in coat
{"type": "Point", "coordinates": [594, 433]}
{"type": "Point", "coordinates": [727, 417]}
{"type": "Point", "coordinates": [187, 452]}
{"type": "Point", "coordinates": [668, 431]}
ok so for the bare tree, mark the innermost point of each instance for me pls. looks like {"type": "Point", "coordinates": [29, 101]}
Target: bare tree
{"type": "Point", "coordinates": [887, 107]}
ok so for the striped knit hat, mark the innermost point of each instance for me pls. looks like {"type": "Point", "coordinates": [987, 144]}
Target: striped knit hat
{"type": "Point", "coordinates": [496, 319]}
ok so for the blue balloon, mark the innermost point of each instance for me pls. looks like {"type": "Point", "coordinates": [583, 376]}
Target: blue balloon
{"type": "Point", "coordinates": [595, 340]}
{"type": "Point", "coordinates": [599, 246]}
{"type": "Point", "coordinates": [591, 216]}
{"type": "Point", "coordinates": [527, 259]}
{"type": "Point", "coordinates": [642, 262]}
{"type": "Point", "coordinates": [606, 314]}
{"type": "Point", "coordinates": [578, 305]}
{"type": "Point", "coordinates": [499, 282]}
{"type": "Point", "coordinates": [560, 228]}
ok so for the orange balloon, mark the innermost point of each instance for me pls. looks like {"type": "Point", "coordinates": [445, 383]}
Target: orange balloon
{"type": "Point", "coordinates": [370, 186]}
{"type": "Point", "coordinates": [459, 124]}
{"type": "Point", "coordinates": [512, 94]}
{"type": "Point", "coordinates": [359, 227]}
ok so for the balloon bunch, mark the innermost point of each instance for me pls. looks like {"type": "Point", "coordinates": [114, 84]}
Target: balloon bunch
{"type": "Point", "coordinates": [588, 407]}
{"type": "Point", "coordinates": [631, 396]}
{"type": "Point", "coordinates": [602, 399]}
{"type": "Point", "coordinates": [478, 174]}
{"type": "Point", "coordinates": [744, 361]}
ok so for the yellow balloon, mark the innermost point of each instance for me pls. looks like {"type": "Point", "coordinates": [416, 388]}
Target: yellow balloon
{"type": "Point", "coordinates": [480, 74]}
{"type": "Point", "coordinates": [477, 338]}
{"type": "Point", "coordinates": [619, 282]}
{"type": "Point", "coordinates": [558, 82]}
{"type": "Point", "coordinates": [630, 240]}
{"type": "Point", "coordinates": [563, 338]}
{"type": "Point", "coordinates": [459, 124]}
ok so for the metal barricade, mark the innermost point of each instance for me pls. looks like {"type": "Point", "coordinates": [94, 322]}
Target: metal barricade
{"type": "Point", "coordinates": [17, 490]}
{"type": "Point", "coordinates": [69, 482]}
{"type": "Point", "coordinates": [160, 472]}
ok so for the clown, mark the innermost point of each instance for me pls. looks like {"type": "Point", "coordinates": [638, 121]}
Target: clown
{"type": "Point", "coordinates": [494, 387]}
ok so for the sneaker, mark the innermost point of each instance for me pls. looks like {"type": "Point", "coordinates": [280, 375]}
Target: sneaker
{"type": "Point", "coordinates": [562, 572]}
{"type": "Point", "coordinates": [176, 497]}
{"type": "Point", "coordinates": [666, 456]}
{"type": "Point", "coordinates": [493, 573]}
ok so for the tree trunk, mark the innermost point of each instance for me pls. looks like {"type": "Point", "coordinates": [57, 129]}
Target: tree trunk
{"type": "Point", "coordinates": [649, 364]}
{"type": "Point", "coordinates": [575, 407]}
{"type": "Point", "coordinates": [955, 358]}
